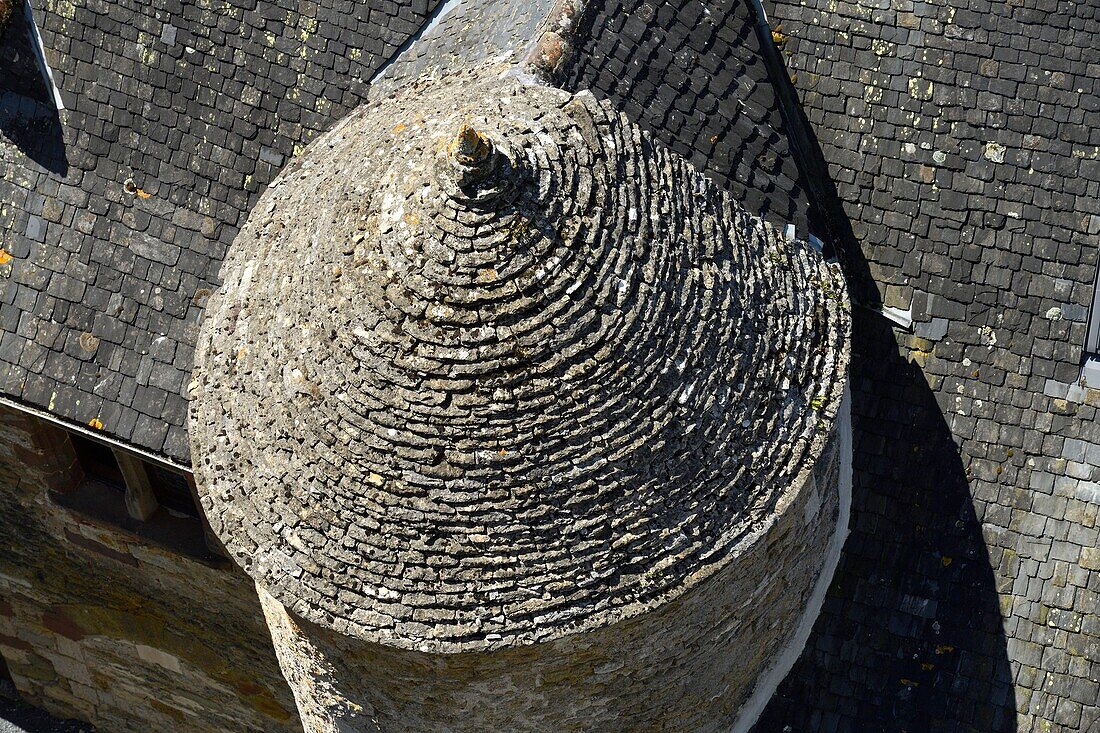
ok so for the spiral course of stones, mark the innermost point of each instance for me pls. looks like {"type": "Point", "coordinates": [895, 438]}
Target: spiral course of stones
{"type": "Point", "coordinates": [489, 367]}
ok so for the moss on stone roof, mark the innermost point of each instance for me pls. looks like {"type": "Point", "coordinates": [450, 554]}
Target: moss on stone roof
{"type": "Point", "coordinates": [7, 7]}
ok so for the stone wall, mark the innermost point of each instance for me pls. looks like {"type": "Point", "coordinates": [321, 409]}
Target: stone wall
{"type": "Point", "coordinates": [100, 625]}
{"type": "Point", "coordinates": [963, 140]}
{"type": "Point", "coordinates": [688, 665]}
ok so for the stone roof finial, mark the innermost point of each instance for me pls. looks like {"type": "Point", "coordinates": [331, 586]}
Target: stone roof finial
{"type": "Point", "coordinates": [473, 156]}
{"type": "Point", "coordinates": [470, 148]}
{"type": "Point", "coordinates": [476, 171]}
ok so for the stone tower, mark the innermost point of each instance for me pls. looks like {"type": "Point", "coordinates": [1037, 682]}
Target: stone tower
{"type": "Point", "coordinates": [519, 423]}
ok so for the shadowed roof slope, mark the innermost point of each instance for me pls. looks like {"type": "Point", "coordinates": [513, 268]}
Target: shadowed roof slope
{"type": "Point", "coordinates": [693, 73]}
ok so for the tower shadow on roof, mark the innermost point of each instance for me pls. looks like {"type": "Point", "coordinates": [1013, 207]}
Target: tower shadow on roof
{"type": "Point", "coordinates": [911, 635]}
{"type": "Point", "coordinates": [28, 114]}
{"type": "Point", "coordinates": [36, 130]}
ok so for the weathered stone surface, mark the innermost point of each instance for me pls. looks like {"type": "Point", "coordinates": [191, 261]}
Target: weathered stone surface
{"type": "Point", "coordinates": [453, 410]}
{"type": "Point", "coordinates": [687, 665]}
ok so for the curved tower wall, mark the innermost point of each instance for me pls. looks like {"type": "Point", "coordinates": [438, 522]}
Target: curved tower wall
{"type": "Point", "coordinates": [687, 666]}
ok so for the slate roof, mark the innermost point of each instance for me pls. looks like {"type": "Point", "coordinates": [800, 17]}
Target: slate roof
{"type": "Point", "coordinates": [118, 213]}
{"type": "Point", "coordinates": [694, 74]}
{"type": "Point", "coordinates": [964, 142]}
{"type": "Point", "coordinates": [193, 107]}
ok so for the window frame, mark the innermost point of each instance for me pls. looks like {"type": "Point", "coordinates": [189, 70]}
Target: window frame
{"type": "Point", "coordinates": [1092, 333]}
{"type": "Point", "coordinates": [134, 507]}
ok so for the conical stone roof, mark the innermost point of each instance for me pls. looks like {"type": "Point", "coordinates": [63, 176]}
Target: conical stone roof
{"type": "Point", "coordinates": [489, 367]}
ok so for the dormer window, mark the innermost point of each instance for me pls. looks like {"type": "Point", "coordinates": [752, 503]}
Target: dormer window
{"type": "Point", "coordinates": [1090, 372]}
{"type": "Point", "coordinates": [148, 499]}
{"type": "Point", "coordinates": [1092, 339]}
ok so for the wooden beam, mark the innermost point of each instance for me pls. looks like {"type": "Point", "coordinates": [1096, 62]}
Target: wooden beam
{"type": "Point", "coordinates": [141, 502]}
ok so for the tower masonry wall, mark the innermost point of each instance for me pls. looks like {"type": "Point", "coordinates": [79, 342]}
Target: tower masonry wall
{"type": "Point", "coordinates": [100, 625]}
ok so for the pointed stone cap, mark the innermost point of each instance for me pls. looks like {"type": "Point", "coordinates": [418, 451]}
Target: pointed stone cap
{"type": "Point", "coordinates": [490, 367]}
{"type": "Point", "coordinates": [470, 148]}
